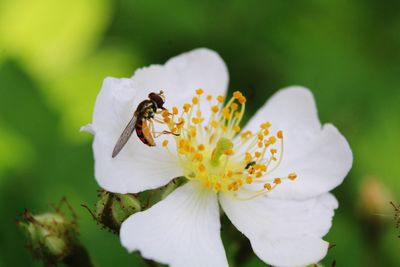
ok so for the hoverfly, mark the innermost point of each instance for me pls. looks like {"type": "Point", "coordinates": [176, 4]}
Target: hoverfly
{"type": "Point", "coordinates": [144, 112]}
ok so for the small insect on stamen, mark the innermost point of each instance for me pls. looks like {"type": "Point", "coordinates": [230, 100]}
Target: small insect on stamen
{"type": "Point", "coordinates": [248, 165]}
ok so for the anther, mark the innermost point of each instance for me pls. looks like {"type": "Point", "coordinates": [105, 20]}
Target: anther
{"type": "Point", "coordinates": [197, 120]}
{"type": "Point", "coordinates": [248, 157]}
{"type": "Point", "coordinates": [165, 114]}
{"type": "Point", "coordinates": [234, 106]}
{"type": "Point", "coordinates": [267, 186]}
{"type": "Point", "coordinates": [237, 94]}
{"type": "Point", "coordinates": [228, 152]}
{"type": "Point", "coordinates": [198, 157]}
{"type": "Point", "coordinates": [279, 134]}
{"type": "Point", "coordinates": [202, 168]}
{"type": "Point", "coordinates": [265, 125]}
{"type": "Point", "coordinates": [186, 107]}
{"type": "Point", "coordinates": [277, 180]}
{"type": "Point", "coordinates": [249, 180]}
{"type": "Point", "coordinates": [272, 139]}
{"type": "Point", "coordinates": [199, 91]}
{"type": "Point", "coordinates": [292, 176]}
{"type": "Point", "coordinates": [226, 112]}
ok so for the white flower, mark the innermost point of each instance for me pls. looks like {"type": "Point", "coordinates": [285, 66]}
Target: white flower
{"type": "Point", "coordinates": [252, 175]}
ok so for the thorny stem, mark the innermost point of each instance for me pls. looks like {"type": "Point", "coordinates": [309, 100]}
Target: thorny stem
{"type": "Point", "coordinates": [79, 257]}
{"type": "Point", "coordinates": [396, 215]}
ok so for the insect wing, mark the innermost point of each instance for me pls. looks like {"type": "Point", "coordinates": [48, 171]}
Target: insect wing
{"type": "Point", "coordinates": [124, 137]}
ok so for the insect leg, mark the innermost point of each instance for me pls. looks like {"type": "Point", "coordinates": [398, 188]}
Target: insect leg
{"type": "Point", "coordinates": [159, 121]}
{"type": "Point", "coordinates": [158, 134]}
{"type": "Point", "coordinates": [153, 130]}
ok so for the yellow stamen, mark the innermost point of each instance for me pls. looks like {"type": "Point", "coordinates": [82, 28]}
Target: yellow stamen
{"type": "Point", "coordinates": [199, 91]}
{"type": "Point", "coordinates": [277, 180]}
{"type": "Point", "coordinates": [279, 134]}
{"type": "Point", "coordinates": [236, 128]}
{"type": "Point", "coordinates": [267, 186]}
{"type": "Point", "coordinates": [186, 107]}
{"type": "Point", "coordinates": [210, 153]}
{"type": "Point", "coordinates": [292, 176]}
{"type": "Point", "coordinates": [234, 106]}
{"type": "Point", "coordinates": [249, 180]}
{"type": "Point", "coordinates": [214, 109]}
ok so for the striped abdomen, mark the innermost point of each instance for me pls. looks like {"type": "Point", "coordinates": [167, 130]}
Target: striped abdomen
{"type": "Point", "coordinates": [143, 132]}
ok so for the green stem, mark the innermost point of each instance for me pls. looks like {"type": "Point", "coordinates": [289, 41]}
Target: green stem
{"type": "Point", "coordinates": [150, 263]}
{"type": "Point", "coordinates": [79, 257]}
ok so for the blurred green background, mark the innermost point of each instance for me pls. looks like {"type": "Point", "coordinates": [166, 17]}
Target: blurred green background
{"type": "Point", "coordinates": [55, 54]}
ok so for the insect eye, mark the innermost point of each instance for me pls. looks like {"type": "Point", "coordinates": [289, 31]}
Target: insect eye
{"type": "Point", "coordinates": [159, 99]}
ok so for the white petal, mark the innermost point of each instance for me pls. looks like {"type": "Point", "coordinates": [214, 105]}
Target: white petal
{"type": "Point", "coordinates": [283, 232]}
{"type": "Point", "coordinates": [138, 167]}
{"type": "Point", "coordinates": [182, 75]}
{"type": "Point", "coordinates": [87, 128]}
{"type": "Point", "coordinates": [320, 156]}
{"type": "Point", "coordinates": [182, 230]}
{"type": "Point", "coordinates": [292, 107]}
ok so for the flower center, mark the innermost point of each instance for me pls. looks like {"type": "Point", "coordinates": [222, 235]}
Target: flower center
{"type": "Point", "coordinates": [213, 152]}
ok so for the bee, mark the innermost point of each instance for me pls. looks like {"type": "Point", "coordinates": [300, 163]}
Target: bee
{"type": "Point", "coordinates": [140, 121]}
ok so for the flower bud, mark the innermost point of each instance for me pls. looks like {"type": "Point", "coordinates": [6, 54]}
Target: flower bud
{"type": "Point", "coordinates": [113, 209]}
{"type": "Point", "coordinates": [50, 236]}
{"type": "Point", "coordinates": [123, 206]}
